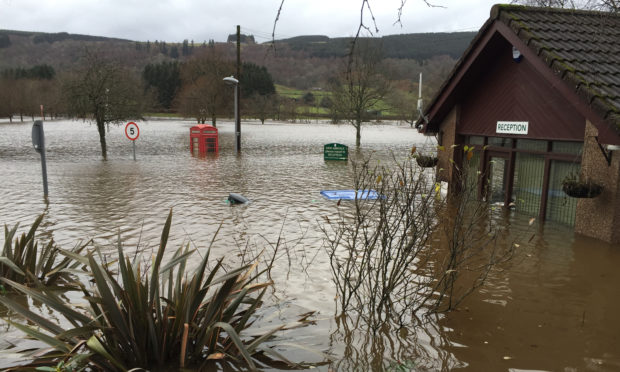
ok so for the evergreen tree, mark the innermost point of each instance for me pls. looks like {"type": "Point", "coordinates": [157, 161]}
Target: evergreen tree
{"type": "Point", "coordinates": [165, 79]}
{"type": "Point", "coordinates": [255, 79]}
{"type": "Point", "coordinates": [185, 49]}
{"type": "Point", "coordinates": [5, 41]}
{"type": "Point", "coordinates": [38, 72]}
{"type": "Point", "coordinates": [174, 52]}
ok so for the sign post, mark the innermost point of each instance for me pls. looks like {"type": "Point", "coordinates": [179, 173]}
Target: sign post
{"type": "Point", "coordinates": [38, 142]}
{"type": "Point", "coordinates": [132, 132]}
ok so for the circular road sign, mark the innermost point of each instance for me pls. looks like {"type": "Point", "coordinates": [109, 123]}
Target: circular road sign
{"type": "Point", "coordinates": [132, 131]}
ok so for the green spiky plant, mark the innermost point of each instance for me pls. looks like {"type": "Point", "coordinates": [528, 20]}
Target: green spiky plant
{"type": "Point", "coordinates": [26, 262]}
{"type": "Point", "coordinates": [165, 318]}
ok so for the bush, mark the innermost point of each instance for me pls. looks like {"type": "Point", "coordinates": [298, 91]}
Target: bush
{"type": "Point", "coordinates": [165, 317]}
{"type": "Point", "coordinates": [23, 261]}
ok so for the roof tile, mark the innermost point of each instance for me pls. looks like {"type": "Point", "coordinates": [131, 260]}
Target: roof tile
{"type": "Point", "coordinates": [581, 46]}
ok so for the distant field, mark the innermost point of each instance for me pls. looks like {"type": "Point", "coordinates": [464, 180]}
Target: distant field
{"type": "Point", "coordinates": [302, 110]}
{"type": "Point", "coordinates": [289, 92]}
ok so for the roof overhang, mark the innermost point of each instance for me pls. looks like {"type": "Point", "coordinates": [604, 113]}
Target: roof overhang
{"type": "Point", "coordinates": [447, 97]}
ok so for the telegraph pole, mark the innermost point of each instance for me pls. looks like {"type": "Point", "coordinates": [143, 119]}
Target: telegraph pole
{"type": "Point", "coordinates": [237, 93]}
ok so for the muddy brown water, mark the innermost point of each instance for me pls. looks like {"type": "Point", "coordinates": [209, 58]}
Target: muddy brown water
{"type": "Point", "coordinates": [556, 309]}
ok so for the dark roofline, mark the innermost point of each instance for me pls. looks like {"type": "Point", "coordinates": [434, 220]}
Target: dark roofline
{"type": "Point", "coordinates": [607, 120]}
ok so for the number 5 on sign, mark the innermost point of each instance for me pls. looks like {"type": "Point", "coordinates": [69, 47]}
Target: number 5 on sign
{"type": "Point", "coordinates": [132, 132]}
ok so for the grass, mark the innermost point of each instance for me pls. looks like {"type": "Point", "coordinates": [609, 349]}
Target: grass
{"type": "Point", "coordinates": [152, 316]}
{"type": "Point", "coordinates": [384, 107]}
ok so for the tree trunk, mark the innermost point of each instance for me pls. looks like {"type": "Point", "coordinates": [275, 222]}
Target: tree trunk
{"type": "Point", "coordinates": [101, 129]}
{"type": "Point", "coordinates": [358, 134]}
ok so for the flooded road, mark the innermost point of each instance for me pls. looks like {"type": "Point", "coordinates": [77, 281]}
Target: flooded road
{"type": "Point", "coordinates": [556, 309]}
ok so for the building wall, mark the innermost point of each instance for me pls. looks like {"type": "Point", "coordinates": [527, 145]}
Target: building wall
{"type": "Point", "coordinates": [511, 91]}
{"type": "Point", "coordinates": [599, 217]}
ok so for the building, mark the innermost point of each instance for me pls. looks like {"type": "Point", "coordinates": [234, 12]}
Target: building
{"type": "Point", "coordinates": [537, 94]}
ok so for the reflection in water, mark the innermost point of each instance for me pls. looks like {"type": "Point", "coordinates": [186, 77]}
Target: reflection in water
{"type": "Point", "coordinates": [420, 347]}
{"type": "Point", "coordinates": [555, 309]}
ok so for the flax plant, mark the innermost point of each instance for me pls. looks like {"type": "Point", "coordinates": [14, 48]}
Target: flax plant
{"type": "Point", "coordinates": [25, 261]}
{"type": "Point", "coordinates": [162, 317]}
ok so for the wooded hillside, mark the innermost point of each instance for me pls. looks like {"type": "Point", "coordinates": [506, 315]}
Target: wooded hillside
{"type": "Point", "coordinates": [419, 47]}
{"type": "Point", "coordinates": [301, 62]}
{"type": "Point", "coordinates": [178, 76]}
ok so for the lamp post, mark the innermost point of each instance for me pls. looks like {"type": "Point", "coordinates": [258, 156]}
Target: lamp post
{"type": "Point", "coordinates": [230, 80]}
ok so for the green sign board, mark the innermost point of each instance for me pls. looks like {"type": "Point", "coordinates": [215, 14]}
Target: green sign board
{"type": "Point", "coordinates": [335, 151]}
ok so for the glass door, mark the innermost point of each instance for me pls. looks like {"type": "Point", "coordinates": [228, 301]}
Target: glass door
{"type": "Point", "coordinates": [496, 177]}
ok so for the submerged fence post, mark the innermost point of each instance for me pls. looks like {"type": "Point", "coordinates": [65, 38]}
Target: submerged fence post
{"type": "Point", "coordinates": [38, 142]}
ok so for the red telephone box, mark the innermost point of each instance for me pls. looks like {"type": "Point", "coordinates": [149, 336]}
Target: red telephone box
{"type": "Point", "coordinates": [203, 139]}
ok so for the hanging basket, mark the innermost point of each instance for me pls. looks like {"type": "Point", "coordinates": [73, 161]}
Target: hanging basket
{"type": "Point", "coordinates": [581, 189]}
{"type": "Point", "coordinates": [426, 161]}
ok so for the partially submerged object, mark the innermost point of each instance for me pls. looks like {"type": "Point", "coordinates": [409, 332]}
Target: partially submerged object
{"type": "Point", "coordinates": [350, 194]}
{"type": "Point", "coordinates": [237, 198]}
{"type": "Point", "coordinates": [335, 151]}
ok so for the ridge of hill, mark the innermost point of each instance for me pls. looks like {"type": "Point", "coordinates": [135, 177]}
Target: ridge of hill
{"type": "Point", "coordinates": [41, 37]}
{"type": "Point", "coordinates": [18, 47]}
{"type": "Point", "coordinates": [419, 46]}
{"type": "Point", "coordinates": [302, 62]}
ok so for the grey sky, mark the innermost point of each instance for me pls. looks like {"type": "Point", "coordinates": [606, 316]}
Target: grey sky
{"type": "Point", "coordinates": [175, 20]}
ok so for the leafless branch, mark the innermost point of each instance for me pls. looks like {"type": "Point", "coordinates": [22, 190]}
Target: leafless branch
{"type": "Point", "coordinates": [402, 6]}
{"type": "Point", "coordinates": [275, 22]}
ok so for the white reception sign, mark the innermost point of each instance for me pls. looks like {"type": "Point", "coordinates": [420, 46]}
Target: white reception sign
{"type": "Point", "coordinates": [512, 127]}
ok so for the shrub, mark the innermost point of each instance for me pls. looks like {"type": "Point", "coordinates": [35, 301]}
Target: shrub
{"type": "Point", "coordinates": [24, 261]}
{"type": "Point", "coordinates": [165, 317]}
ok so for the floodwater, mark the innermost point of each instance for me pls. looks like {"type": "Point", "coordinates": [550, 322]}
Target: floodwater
{"type": "Point", "coordinates": [557, 308]}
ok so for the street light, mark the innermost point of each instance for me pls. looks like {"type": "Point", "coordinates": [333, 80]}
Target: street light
{"type": "Point", "coordinates": [230, 80]}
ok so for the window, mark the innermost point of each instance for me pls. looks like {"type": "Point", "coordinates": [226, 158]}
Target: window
{"type": "Point", "coordinates": [561, 207]}
{"type": "Point", "coordinates": [527, 188]}
{"type": "Point", "coordinates": [532, 145]}
{"type": "Point", "coordinates": [500, 141]}
{"type": "Point", "coordinates": [474, 140]}
{"type": "Point", "coordinates": [567, 147]}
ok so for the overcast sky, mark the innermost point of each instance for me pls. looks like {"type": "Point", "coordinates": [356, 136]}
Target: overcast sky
{"type": "Point", "coordinates": [200, 20]}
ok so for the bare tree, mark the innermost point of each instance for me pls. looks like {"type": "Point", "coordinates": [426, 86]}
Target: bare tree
{"type": "Point", "coordinates": [610, 5]}
{"type": "Point", "coordinates": [600, 5]}
{"type": "Point", "coordinates": [204, 93]}
{"type": "Point", "coordinates": [411, 251]}
{"type": "Point", "coordinates": [261, 106]}
{"type": "Point", "coordinates": [403, 103]}
{"type": "Point", "coordinates": [363, 26]}
{"type": "Point", "coordinates": [103, 90]}
{"type": "Point", "coordinates": [358, 87]}
{"type": "Point", "coordinates": [7, 99]}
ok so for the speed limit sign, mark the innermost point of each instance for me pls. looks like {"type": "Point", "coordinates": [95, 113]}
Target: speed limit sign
{"type": "Point", "coordinates": [132, 131]}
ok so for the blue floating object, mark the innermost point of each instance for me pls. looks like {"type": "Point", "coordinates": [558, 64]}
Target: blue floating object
{"type": "Point", "coordinates": [349, 194]}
